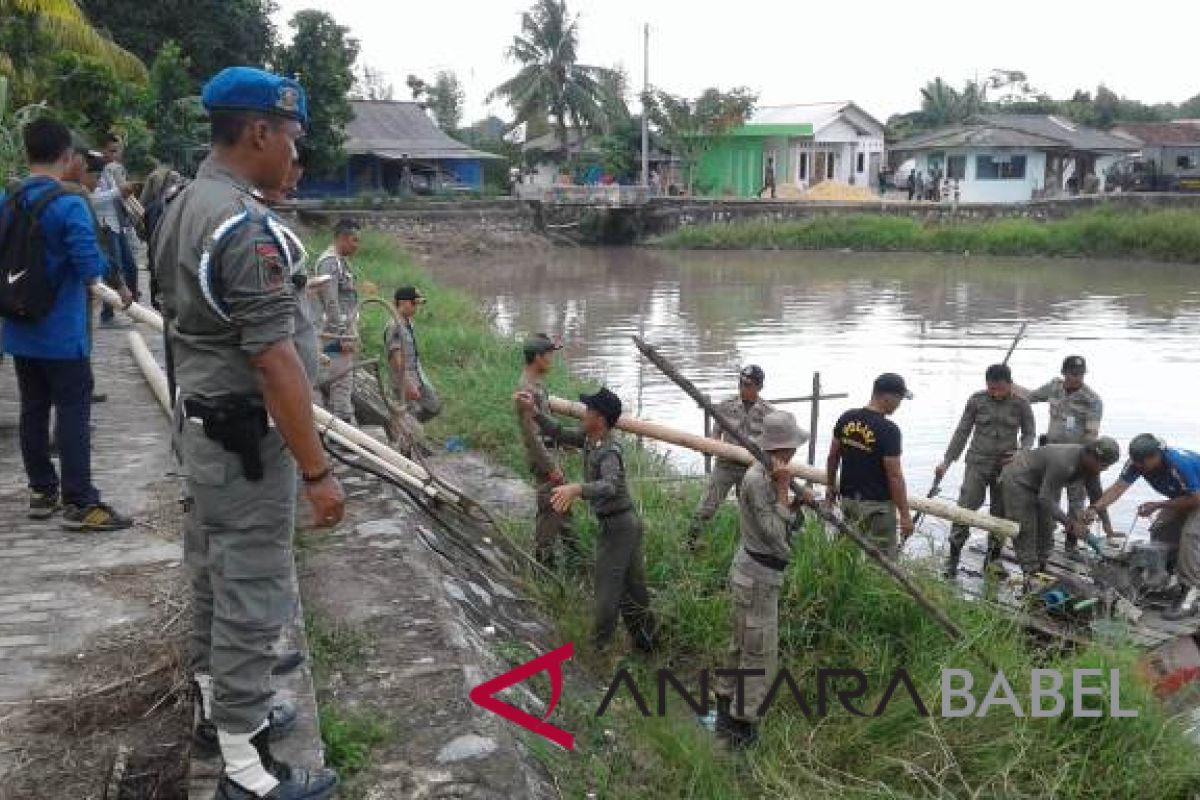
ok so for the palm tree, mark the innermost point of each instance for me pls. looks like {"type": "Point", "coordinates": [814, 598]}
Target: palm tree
{"type": "Point", "coordinates": [70, 29]}
{"type": "Point", "coordinates": [551, 81]}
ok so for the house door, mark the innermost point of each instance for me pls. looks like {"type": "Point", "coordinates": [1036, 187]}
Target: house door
{"type": "Point", "coordinates": [822, 161]}
{"type": "Point", "coordinates": [874, 164]}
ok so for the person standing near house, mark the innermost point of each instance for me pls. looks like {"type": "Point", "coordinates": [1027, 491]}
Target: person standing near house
{"type": "Point", "coordinates": [410, 382]}
{"type": "Point", "coordinates": [768, 514]}
{"type": "Point", "coordinates": [1075, 414]}
{"type": "Point", "coordinates": [768, 178]}
{"type": "Point", "coordinates": [52, 352]}
{"type": "Point", "coordinates": [883, 181]}
{"type": "Point", "coordinates": [866, 447]}
{"type": "Point", "coordinates": [745, 411]}
{"type": "Point", "coordinates": [912, 183]}
{"type": "Point", "coordinates": [111, 191]}
{"type": "Point", "coordinates": [339, 333]}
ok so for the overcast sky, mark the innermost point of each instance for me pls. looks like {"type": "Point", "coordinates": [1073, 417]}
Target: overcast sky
{"type": "Point", "coordinates": [874, 52]}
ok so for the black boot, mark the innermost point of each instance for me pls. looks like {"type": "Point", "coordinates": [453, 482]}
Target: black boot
{"type": "Point", "coordinates": [725, 722]}
{"type": "Point", "coordinates": [951, 568]}
{"type": "Point", "coordinates": [294, 783]}
{"type": "Point", "coordinates": [992, 565]}
{"type": "Point", "coordinates": [1185, 607]}
{"type": "Point", "coordinates": [287, 663]}
{"type": "Point", "coordinates": [744, 734]}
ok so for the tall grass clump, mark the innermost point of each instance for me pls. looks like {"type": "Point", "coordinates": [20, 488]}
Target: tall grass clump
{"type": "Point", "coordinates": [1164, 235]}
{"type": "Point", "coordinates": [837, 611]}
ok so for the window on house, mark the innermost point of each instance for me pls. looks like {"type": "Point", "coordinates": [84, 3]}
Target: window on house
{"type": "Point", "coordinates": [991, 168]}
{"type": "Point", "coordinates": [802, 167]}
{"type": "Point", "coordinates": [861, 164]}
{"type": "Point", "coordinates": [1184, 162]}
{"type": "Point", "coordinates": [956, 167]}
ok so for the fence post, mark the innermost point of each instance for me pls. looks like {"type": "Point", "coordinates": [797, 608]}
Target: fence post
{"type": "Point", "coordinates": [814, 418]}
{"type": "Point", "coordinates": [707, 434]}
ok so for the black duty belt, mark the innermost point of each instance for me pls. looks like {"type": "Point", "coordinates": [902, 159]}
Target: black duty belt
{"type": "Point", "coordinates": [769, 561]}
{"type": "Point", "coordinates": [238, 423]}
{"type": "Point", "coordinates": [611, 514]}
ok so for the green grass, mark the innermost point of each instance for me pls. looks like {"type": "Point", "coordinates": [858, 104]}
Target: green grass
{"type": "Point", "coordinates": [836, 611]}
{"type": "Point", "coordinates": [1166, 235]}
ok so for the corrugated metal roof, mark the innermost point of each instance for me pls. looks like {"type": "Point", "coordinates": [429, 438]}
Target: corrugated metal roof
{"type": "Point", "coordinates": [818, 115]}
{"type": "Point", "coordinates": [1160, 133]}
{"type": "Point", "coordinates": [392, 130]}
{"type": "Point", "coordinates": [1018, 130]}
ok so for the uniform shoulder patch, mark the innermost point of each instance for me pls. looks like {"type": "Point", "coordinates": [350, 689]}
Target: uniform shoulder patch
{"type": "Point", "coordinates": [271, 269]}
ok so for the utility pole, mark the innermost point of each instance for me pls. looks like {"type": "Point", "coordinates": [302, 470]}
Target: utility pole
{"type": "Point", "coordinates": [645, 108]}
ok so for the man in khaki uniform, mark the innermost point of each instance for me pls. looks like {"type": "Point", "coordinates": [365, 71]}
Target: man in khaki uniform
{"type": "Point", "coordinates": [992, 420]}
{"type": "Point", "coordinates": [866, 447]}
{"type": "Point", "coordinates": [339, 335]}
{"type": "Point", "coordinates": [412, 385]}
{"type": "Point", "coordinates": [745, 411]}
{"type": "Point", "coordinates": [1032, 485]}
{"type": "Point", "coordinates": [620, 568]}
{"type": "Point", "coordinates": [1075, 414]}
{"type": "Point", "coordinates": [243, 422]}
{"type": "Point", "coordinates": [767, 516]}
{"type": "Point", "coordinates": [549, 525]}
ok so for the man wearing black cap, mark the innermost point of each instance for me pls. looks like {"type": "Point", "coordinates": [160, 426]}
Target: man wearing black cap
{"type": "Point", "coordinates": [620, 571]}
{"type": "Point", "coordinates": [1075, 413]}
{"type": "Point", "coordinates": [1032, 485]}
{"type": "Point", "coordinates": [532, 400]}
{"type": "Point", "coordinates": [244, 423]}
{"type": "Point", "coordinates": [866, 446]}
{"type": "Point", "coordinates": [746, 411]}
{"type": "Point", "coordinates": [411, 383]}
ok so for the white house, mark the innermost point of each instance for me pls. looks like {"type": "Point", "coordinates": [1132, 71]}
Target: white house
{"type": "Point", "coordinates": [1014, 158]}
{"type": "Point", "coordinates": [820, 141]}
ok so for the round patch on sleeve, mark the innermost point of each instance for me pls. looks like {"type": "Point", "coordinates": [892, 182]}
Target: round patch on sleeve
{"type": "Point", "coordinates": [271, 269]}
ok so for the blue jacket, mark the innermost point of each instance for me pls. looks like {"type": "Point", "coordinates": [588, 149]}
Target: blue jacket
{"type": "Point", "coordinates": [1179, 475]}
{"type": "Point", "coordinates": [74, 260]}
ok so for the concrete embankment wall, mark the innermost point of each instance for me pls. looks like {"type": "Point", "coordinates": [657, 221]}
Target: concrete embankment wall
{"type": "Point", "coordinates": [628, 225]}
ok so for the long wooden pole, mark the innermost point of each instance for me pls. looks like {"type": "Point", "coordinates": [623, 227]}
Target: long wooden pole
{"type": "Point", "coordinates": [848, 531]}
{"type": "Point", "coordinates": [732, 452]}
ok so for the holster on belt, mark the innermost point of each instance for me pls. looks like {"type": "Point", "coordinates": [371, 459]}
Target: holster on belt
{"type": "Point", "coordinates": [769, 561]}
{"type": "Point", "coordinates": [238, 423]}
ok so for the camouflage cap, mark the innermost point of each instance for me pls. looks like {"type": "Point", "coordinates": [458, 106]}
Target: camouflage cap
{"type": "Point", "coordinates": [1106, 450]}
{"type": "Point", "coordinates": [538, 343]}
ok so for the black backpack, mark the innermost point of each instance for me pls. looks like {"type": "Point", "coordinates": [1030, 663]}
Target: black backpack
{"type": "Point", "coordinates": [26, 291]}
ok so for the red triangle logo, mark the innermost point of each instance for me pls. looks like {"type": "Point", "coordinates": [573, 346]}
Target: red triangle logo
{"type": "Point", "coordinates": [484, 695]}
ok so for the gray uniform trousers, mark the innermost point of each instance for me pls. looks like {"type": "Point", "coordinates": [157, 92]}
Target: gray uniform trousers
{"type": "Point", "coordinates": [621, 581]}
{"type": "Point", "coordinates": [755, 643]}
{"type": "Point", "coordinates": [725, 476]}
{"type": "Point", "coordinates": [238, 552]}
{"type": "Point", "coordinates": [1180, 530]}
{"type": "Point", "coordinates": [875, 520]}
{"type": "Point", "coordinates": [978, 481]}
{"type": "Point", "coordinates": [549, 526]}
{"type": "Point", "coordinates": [338, 396]}
{"type": "Point", "coordinates": [1035, 538]}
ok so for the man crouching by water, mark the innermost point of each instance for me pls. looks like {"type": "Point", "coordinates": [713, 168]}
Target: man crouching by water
{"type": "Point", "coordinates": [620, 568]}
{"type": "Point", "coordinates": [768, 515]}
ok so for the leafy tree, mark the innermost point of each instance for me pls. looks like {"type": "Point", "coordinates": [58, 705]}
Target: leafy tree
{"type": "Point", "coordinates": [173, 108]}
{"type": "Point", "coordinates": [213, 34]}
{"type": "Point", "coordinates": [322, 56]}
{"type": "Point", "coordinates": [1189, 109]}
{"type": "Point", "coordinates": [65, 23]}
{"type": "Point", "coordinates": [691, 128]}
{"type": "Point", "coordinates": [444, 98]}
{"type": "Point", "coordinates": [88, 95]}
{"type": "Point", "coordinates": [551, 82]}
{"type": "Point", "coordinates": [371, 84]}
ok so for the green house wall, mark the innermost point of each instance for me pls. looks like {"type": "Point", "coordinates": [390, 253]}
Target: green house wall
{"type": "Point", "coordinates": [733, 165]}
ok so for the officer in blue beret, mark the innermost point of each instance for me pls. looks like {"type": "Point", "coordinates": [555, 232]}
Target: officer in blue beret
{"type": "Point", "coordinates": [243, 423]}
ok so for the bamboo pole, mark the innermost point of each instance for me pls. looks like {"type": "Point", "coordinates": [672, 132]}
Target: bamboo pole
{"type": "Point", "coordinates": [342, 433]}
{"type": "Point", "coordinates": [150, 369]}
{"type": "Point", "coordinates": [849, 531]}
{"type": "Point", "coordinates": [941, 509]}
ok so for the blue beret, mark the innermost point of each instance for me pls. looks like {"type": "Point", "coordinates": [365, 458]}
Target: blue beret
{"type": "Point", "coordinates": [251, 89]}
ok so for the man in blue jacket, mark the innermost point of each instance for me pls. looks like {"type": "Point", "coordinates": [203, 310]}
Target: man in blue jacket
{"type": "Point", "coordinates": [52, 355]}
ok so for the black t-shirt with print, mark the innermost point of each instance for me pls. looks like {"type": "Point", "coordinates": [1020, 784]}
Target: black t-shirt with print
{"type": "Point", "coordinates": [867, 437]}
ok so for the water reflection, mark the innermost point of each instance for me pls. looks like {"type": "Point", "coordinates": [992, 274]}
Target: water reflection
{"type": "Point", "coordinates": [938, 320]}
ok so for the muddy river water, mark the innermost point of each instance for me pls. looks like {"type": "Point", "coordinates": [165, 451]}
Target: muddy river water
{"type": "Point", "coordinates": [938, 320]}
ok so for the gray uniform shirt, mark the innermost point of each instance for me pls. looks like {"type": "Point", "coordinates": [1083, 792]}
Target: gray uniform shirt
{"type": "Point", "coordinates": [996, 424]}
{"type": "Point", "coordinates": [604, 478]}
{"type": "Point", "coordinates": [1048, 470]}
{"type": "Point", "coordinates": [1074, 416]}
{"type": "Point", "coordinates": [764, 523]}
{"type": "Point", "coordinates": [400, 336]}
{"type": "Point", "coordinates": [746, 420]}
{"type": "Point", "coordinates": [338, 298]}
{"type": "Point", "coordinates": [224, 275]}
